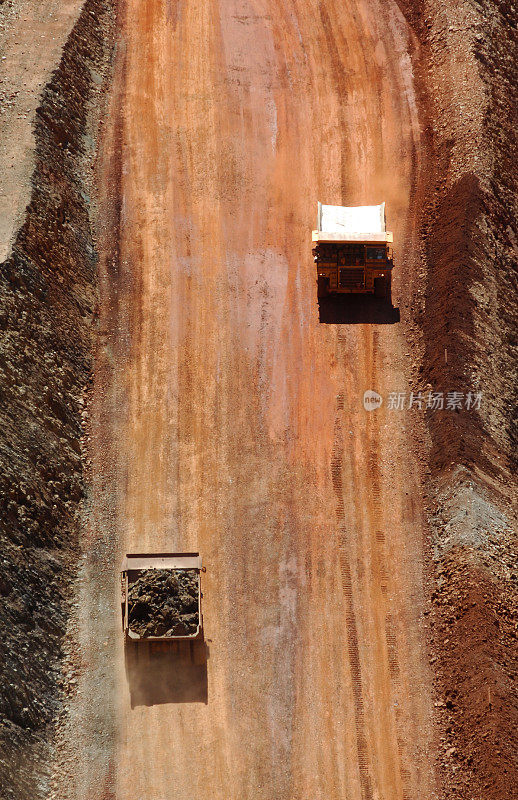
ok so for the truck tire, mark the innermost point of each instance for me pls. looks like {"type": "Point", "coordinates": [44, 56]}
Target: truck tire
{"type": "Point", "coordinates": [322, 286]}
{"type": "Point", "coordinates": [380, 287]}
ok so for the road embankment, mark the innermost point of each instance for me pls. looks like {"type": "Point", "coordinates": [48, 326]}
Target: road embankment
{"type": "Point", "coordinates": [48, 297]}
{"type": "Point", "coordinates": [468, 319]}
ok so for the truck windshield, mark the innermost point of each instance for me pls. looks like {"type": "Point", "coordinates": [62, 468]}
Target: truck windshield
{"type": "Point", "coordinates": [375, 253]}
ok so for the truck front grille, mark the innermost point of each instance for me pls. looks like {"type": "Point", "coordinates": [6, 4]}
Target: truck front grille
{"type": "Point", "coordinates": [351, 278]}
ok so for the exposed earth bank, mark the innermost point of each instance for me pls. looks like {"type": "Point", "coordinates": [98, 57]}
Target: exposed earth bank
{"type": "Point", "coordinates": [48, 297]}
{"type": "Point", "coordinates": [468, 323]}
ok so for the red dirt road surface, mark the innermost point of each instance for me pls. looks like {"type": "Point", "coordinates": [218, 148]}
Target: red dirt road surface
{"type": "Point", "coordinates": [228, 419]}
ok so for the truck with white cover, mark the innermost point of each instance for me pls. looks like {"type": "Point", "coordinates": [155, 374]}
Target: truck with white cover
{"type": "Point", "coordinates": [353, 251]}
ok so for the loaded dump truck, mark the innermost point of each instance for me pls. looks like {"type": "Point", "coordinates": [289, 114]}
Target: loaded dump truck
{"type": "Point", "coordinates": [161, 597]}
{"type": "Point", "coordinates": [352, 251]}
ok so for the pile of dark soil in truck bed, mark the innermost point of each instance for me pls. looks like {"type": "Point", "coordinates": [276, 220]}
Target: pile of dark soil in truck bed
{"type": "Point", "coordinates": [164, 602]}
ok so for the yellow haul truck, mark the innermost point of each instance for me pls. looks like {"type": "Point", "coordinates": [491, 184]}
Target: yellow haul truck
{"type": "Point", "coordinates": [352, 251]}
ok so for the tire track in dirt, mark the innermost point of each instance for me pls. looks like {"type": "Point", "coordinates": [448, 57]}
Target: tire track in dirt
{"type": "Point", "coordinates": [377, 575]}
{"type": "Point", "coordinates": [350, 618]}
{"type": "Point", "coordinates": [396, 621]}
{"type": "Point", "coordinates": [374, 460]}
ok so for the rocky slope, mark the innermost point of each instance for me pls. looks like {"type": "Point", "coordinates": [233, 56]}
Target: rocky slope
{"type": "Point", "coordinates": [466, 66]}
{"type": "Point", "coordinates": [48, 297]}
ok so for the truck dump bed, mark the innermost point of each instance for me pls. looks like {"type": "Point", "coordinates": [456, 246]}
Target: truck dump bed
{"type": "Point", "coordinates": [351, 224]}
{"type": "Point", "coordinates": [161, 596]}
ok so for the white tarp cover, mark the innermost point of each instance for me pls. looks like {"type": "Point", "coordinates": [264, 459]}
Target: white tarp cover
{"type": "Point", "coordinates": [351, 219]}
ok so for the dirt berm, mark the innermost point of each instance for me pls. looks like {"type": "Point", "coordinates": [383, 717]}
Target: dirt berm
{"type": "Point", "coordinates": [47, 297]}
{"type": "Point", "coordinates": [164, 602]}
{"type": "Point", "coordinates": [467, 71]}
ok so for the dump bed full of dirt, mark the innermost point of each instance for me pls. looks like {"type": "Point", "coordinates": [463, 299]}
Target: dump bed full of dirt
{"type": "Point", "coordinates": [164, 602]}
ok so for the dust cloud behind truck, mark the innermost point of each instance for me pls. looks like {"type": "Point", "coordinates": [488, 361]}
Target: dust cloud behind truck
{"type": "Point", "coordinates": [352, 251]}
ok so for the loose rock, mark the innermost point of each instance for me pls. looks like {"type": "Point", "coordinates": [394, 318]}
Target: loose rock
{"type": "Point", "coordinates": [164, 602]}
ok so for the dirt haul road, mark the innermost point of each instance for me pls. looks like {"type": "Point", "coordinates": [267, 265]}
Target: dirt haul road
{"type": "Point", "coordinates": [228, 420]}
